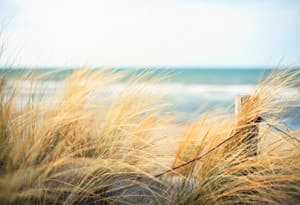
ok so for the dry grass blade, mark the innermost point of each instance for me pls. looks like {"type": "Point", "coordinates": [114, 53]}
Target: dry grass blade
{"type": "Point", "coordinates": [90, 141]}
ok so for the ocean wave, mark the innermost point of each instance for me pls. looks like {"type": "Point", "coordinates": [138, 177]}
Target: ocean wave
{"type": "Point", "coordinates": [209, 91]}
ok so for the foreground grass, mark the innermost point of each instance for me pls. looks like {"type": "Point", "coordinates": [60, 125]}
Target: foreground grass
{"type": "Point", "coordinates": [77, 147]}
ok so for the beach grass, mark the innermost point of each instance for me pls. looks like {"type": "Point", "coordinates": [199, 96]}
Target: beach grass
{"type": "Point", "coordinates": [75, 146]}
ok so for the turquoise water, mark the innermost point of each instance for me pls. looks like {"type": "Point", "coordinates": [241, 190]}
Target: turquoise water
{"type": "Point", "coordinates": [225, 76]}
{"type": "Point", "coordinates": [217, 76]}
{"type": "Point", "coordinates": [190, 91]}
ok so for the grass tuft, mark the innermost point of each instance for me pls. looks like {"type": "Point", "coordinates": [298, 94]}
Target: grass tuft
{"type": "Point", "coordinates": [86, 143]}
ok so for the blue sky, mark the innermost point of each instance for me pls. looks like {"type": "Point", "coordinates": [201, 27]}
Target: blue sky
{"type": "Point", "coordinates": [150, 33]}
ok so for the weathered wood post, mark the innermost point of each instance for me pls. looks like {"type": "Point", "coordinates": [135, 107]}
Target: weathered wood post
{"type": "Point", "coordinates": [249, 130]}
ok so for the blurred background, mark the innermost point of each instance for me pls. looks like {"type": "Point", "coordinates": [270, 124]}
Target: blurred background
{"type": "Point", "coordinates": [214, 49]}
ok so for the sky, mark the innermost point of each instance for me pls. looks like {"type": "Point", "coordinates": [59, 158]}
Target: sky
{"type": "Point", "coordinates": [162, 33]}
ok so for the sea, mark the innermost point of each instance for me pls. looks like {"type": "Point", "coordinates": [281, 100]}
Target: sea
{"type": "Point", "coordinates": [189, 91]}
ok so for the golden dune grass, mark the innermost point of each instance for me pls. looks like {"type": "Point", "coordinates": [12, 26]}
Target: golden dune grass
{"type": "Point", "coordinates": [76, 147]}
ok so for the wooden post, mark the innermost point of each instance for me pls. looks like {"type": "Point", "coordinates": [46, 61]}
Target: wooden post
{"type": "Point", "coordinates": [249, 133]}
{"type": "Point", "coordinates": [239, 101]}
